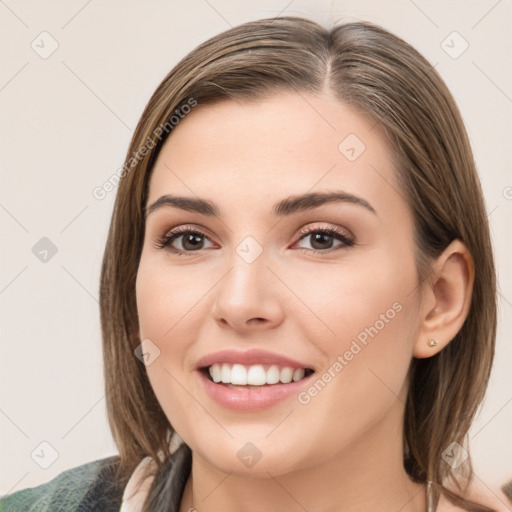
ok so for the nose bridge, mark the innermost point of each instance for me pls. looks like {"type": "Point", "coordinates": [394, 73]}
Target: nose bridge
{"type": "Point", "coordinates": [249, 290]}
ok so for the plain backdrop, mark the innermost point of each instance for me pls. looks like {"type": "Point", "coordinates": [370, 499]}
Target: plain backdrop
{"type": "Point", "coordinates": [74, 78]}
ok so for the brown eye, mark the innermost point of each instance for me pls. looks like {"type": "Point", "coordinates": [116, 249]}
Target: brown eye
{"type": "Point", "coordinates": [190, 240]}
{"type": "Point", "coordinates": [323, 239]}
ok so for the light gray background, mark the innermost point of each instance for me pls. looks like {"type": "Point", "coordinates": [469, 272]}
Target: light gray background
{"type": "Point", "coordinates": [66, 123]}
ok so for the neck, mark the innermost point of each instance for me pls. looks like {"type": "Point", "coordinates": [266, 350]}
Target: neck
{"type": "Point", "coordinates": [298, 493]}
{"type": "Point", "coordinates": [366, 475]}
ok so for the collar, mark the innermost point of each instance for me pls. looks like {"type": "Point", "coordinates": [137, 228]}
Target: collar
{"type": "Point", "coordinates": [138, 486]}
{"type": "Point", "coordinates": [140, 481]}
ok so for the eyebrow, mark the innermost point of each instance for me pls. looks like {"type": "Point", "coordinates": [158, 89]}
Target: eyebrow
{"type": "Point", "coordinates": [285, 207]}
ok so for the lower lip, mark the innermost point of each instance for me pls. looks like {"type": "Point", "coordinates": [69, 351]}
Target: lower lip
{"type": "Point", "coordinates": [252, 399]}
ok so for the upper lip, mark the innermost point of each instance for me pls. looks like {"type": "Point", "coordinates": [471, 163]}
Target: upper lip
{"type": "Point", "coordinates": [249, 357]}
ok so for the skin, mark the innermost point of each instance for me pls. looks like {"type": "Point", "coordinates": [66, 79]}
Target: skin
{"type": "Point", "coordinates": [343, 449]}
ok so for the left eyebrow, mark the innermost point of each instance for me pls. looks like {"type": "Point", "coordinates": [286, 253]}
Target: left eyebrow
{"type": "Point", "coordinates": [285, 207]}
{"type": "Point", "coordinates": [295, 204]}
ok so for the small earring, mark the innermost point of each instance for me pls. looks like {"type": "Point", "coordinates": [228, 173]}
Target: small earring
{"type": "Point", "coordinates": [436, 310]}
{"type": "Point", "coordinates": [432, 342]}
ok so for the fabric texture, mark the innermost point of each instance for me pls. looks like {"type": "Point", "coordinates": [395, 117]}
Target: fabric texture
{"type": "Point", "coordinates": [91, 487]}
{"type": "Point", "coordinates": [84, 488]}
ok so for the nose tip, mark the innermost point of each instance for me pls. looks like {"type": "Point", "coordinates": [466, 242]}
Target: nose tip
{"type": "Point", "coordinates": [248, 298]}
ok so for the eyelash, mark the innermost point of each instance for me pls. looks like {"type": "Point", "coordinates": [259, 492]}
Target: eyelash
{"type": "Point", "coordinates": [165, 240]}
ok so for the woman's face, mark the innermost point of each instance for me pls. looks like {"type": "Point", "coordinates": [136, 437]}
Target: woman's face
{"type": "Point", "coordinates": [258, 292]}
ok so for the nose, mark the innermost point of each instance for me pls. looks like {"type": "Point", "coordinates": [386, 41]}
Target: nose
{"type": "Point", "coordinates": [249, 297]}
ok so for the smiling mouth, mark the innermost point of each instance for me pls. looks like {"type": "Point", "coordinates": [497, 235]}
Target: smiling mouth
{"type": "Point", "coordinates": [254, 376]}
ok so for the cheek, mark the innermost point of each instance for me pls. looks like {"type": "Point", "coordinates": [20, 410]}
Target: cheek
{"type": "Point", "coordinates": [165, 297]}
{"type": "Point", "coordinates": [363, 297]}
{"type": "Point", "coordinates": [372, 315]}
{"type": "Point", "coordinates": [364, 306]}
{"type": "Point", "coordinates": [168, 306]}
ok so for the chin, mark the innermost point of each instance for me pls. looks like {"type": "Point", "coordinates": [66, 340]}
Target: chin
{"type": "Point", "coordinates": [254, 459]}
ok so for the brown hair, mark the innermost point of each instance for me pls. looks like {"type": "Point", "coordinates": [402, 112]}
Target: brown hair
{"type": "Point", "coordinates": [376, 71]}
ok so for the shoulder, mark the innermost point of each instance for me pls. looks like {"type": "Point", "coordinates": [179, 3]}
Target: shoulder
{"type": "Point", "coordinates": [84, 488]}
{"type": "Point", "coordinates": [495, 498]}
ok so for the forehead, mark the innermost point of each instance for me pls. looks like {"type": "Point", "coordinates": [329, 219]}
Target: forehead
{"type": "Point", "coordinates": [290, 143]}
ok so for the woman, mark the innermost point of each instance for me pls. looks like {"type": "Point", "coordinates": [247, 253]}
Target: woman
{"type": "Point", "coordinates": [298, 287]}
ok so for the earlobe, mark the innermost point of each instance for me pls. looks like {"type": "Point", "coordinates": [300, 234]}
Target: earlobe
{"type": "Point", "coordinates": [450, 290]}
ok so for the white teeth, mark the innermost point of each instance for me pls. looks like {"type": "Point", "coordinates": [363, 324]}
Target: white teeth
{"type": "Point", "coordinates": [215, 372]}
{"type": "Point", "coordinates": [298, 374]}
{"type": "Point", "coordinates": [225, 374]}
{"type": "Point", "coordinates": [286, 375]}
{"type": "Point", "coordinates": [254, 375]}
{"type": "Point", "coordinates": [239, 375]}
{"type": "Point", "coordinates": [273, 375]}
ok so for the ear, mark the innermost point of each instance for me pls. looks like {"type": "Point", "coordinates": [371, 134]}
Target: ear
{"type": "Point", "coordinates": [446, 299]}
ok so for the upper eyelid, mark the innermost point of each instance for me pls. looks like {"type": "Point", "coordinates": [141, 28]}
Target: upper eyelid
{"type": "Point", "coordinates": [308, 230]}
{"type": "Point", "coordinates": [184, 228]}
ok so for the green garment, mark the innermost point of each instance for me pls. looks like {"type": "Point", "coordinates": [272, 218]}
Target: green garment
{"type": "Point", "coordinates": [92, 487]}
{"type": "Point", "coordinates": [86, 488]}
